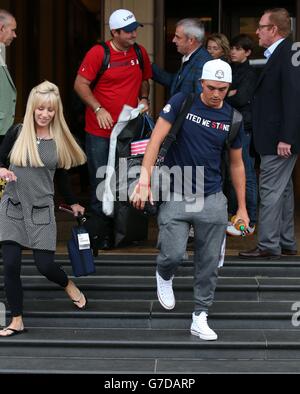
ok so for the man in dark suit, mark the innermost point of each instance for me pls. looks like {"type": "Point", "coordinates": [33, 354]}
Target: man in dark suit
{"type": "Point", "coordinates": [188, 38]}
{"type": "Point", "coordinates": [276, 130]}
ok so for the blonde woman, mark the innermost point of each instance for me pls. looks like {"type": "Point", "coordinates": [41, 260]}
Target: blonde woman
{"type": "Point", "coordinates": [36, 150]}
{"type": "Point", "coordinates": [218, 46]}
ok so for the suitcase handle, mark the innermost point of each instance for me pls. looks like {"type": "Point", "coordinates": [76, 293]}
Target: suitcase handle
{"type": "Point", "coordinates": [65, 208]}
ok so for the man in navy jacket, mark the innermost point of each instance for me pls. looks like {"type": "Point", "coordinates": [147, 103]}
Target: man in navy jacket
{"type": "Point", "coordinates": [276, 125]}
{"type": "Point", "coordinates": [188, 38]}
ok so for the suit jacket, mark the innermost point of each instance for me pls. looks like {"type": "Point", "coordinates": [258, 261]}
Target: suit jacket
{"type": "Point", "coordinates": [276, 108]}
{"type": "Point", "coordinates": [8, 97]}
{"type": "Point", "coordinates": [188, 81]}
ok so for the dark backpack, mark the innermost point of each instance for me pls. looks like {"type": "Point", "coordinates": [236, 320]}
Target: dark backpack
{"type": "Point", "coordinates": [236, 121]}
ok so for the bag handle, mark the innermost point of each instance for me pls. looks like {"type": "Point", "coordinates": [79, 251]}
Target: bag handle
{"type": "Point", "coordinates": [148, 124]}
{"type": "Point", "coordinates": [81, 219]}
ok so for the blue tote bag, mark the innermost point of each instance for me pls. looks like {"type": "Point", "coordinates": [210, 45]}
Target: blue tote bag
{"type": "Point", "coordinates": [82, 260]}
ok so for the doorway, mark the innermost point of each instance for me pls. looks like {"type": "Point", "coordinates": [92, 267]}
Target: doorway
{"type": "Point", "coordinates": [230, 17]}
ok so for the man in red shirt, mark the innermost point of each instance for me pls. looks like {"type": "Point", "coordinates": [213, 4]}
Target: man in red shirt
{"type": "Point", "coordinates": [124, 82]}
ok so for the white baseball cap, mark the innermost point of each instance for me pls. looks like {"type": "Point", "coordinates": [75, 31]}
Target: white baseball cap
{"type": "Point", "coordinates": [123, 19]}
{"type": "Point", "coordinates": [217, 70]}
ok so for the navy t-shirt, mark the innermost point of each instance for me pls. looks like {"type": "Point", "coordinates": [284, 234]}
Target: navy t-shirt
{"type": "Point", "coordinates": [201, 140]}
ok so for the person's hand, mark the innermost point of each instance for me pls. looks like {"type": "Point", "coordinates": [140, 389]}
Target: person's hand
{"type": "Point", "coordinates": [146, 108]}
{"type": "Point", "coordinates": [141, 194]}
{"type": "Point", "coordinates": [7, 175]}
{"type": "Point", "coordinates": [242, 214]}
{"type": "Point", "coordinates": [284, 150]}
{"type": "Point", "coordinates": [104, 119]}
{"type": "Point", "coordinates": [232, 92]}
{"type": "Point", "coordinates": [77, 209]}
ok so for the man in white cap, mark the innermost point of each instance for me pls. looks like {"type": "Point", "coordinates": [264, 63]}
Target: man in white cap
{"type": "Point", "coordinates": [200, 143]}
{"type": "Point", "coordinates": [124, 81]}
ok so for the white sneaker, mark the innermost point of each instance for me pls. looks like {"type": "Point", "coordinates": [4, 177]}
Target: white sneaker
{"type": "Point", "coordinates": [201, 329]}
{"type": "Point", "coordinates": [165, 292]}
{"type": "Point", "coordinates": [231, 230]}
{"type": "Point", "coordinates": [250, 230]}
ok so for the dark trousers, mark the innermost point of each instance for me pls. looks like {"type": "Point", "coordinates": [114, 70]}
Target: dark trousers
{"type": "Point", "coordinates": [97, 151]}
{"type": "Point", "coordinates": [44, 260]}
{"type": "Point", "coordinates": [276, 213]}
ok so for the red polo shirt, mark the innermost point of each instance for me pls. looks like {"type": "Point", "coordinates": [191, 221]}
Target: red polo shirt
{"type": "Point", "coordinates": [119, 85]}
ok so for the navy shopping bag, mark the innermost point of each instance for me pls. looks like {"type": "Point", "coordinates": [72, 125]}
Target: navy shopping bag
{"type": "Point", "coordinates": [82, 260]}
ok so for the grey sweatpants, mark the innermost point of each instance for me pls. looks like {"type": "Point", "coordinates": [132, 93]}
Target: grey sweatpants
{"type": "Point", "coordinates": [209, 226]}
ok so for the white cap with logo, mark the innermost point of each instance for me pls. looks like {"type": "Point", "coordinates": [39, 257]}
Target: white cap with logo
{"type": "Point", "coordinates": [123, 19]}
{"type": "Point", "coordinates": [217, 70]}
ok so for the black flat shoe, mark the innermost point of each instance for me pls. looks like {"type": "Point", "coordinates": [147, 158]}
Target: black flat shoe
{"type": "Point", "coordinates": [13, 332]}
{"type": "Point", "coordinates": [75, 302]}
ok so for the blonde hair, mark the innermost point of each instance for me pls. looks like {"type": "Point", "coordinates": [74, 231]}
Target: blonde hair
{"type": "Point", "coordinates": [25, 151]}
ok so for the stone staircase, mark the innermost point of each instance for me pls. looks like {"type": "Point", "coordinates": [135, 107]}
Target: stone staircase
{"type": "Point", "coordinates": [125, 330]}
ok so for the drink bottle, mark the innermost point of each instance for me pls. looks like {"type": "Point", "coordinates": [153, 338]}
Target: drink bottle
{"type": "Point", "coordinates": [239, 225]}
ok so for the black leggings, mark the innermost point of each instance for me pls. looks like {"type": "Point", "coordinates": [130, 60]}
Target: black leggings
{"type": "Point", "coordinates": [12, 257]}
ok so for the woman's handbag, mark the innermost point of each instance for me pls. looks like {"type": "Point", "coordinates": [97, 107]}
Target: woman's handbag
{"type": "Point", "coordinates": [80, 252]}
{"type": "Point", "coordinates": [79, 246]}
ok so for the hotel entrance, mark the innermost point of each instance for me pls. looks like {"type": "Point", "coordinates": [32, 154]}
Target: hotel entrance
{"type": "Point", "coordinates": [230, 17]}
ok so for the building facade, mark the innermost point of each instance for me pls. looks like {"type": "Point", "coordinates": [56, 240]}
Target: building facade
{"type": "Point", "coordinates": [53, 36]}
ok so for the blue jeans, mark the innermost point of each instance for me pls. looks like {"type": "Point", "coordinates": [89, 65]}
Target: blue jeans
{"type": "Point", "coordinates": [97, 150]}
{"type": "Point", "coordinates": [251, 184]}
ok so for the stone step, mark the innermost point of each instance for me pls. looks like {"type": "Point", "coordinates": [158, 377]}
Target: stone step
{"type": "Point", "coordinates": [149, 366]}
{"type": "Point", "coordinates": [152, 343]}
{"type": "Point", "coordinates": [142, 288]}
{"type": "Point", "coordinates": [140, 268]}
{"type": "Point", "coordinates": [150, 314]}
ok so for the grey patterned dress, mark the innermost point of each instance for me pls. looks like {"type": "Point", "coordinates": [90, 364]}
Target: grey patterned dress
{"type": "Point", "coordinates": [27, 206]}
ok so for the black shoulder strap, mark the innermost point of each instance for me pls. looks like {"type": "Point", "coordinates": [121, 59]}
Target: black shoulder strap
{"type": "Point", "coordinates": [171, 137]}
{"type": "Point", "coordinates": [106, 60]}
{"type": "Point", "coordinates": [104, 65]}
{"type": "Point", "coordinates": [139, 54]}
{"type": "Point", "coordinates": [236, 121]}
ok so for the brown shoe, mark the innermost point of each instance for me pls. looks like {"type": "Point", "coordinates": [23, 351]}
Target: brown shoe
{"type": "Point", "coordinates": [289, 252]}
{"type": "Point", "coordinates": [256, 253]}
